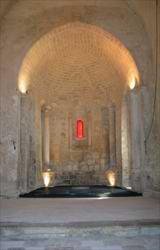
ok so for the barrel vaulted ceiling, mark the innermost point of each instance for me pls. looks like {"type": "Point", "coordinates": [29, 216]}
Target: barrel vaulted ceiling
{"type": "Point", "coordinates": [77, 60]}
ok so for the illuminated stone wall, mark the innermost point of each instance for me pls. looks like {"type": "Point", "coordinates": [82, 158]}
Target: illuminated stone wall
{"type": "Point", "coordinates": [81, 161]}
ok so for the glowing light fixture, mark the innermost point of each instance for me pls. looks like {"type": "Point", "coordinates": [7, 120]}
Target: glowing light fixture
{"type": "Point", "coordinates": [110, 177]}
{"type": "Point", "coordinates": [46, 179]}
{"type": "Point", "coordinates": [47, 176]}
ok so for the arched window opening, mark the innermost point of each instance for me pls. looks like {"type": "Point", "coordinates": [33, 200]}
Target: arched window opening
{"type": "Point", "coordinates": [80, 129]}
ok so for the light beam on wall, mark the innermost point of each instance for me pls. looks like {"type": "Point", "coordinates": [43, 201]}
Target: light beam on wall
{"type": "Point", "coordinates": [110, 177]}
{"type": "Point", "coordinates": [132, 83]}
{"type": "Point", "coordinates": [46, 178]}
{"type": "Point", "coordinates": [22, 87]}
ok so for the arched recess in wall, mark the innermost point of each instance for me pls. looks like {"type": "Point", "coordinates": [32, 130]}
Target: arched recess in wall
{"type": "Point", "coordinates": [83, 59]}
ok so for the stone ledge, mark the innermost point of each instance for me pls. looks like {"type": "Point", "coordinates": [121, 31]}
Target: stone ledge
{"type": "Point", "coordinates": [45, 233]}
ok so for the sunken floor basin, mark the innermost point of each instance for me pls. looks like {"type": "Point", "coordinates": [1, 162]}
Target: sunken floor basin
{"type": "Point", "coordinates": [80, 192]}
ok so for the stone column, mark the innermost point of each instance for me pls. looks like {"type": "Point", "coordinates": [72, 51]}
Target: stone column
{"type": "Point", "coordinates": [112, 135]}
{"type": "Point", "coordinates": [152, 142]}
{"type": "Point", "coordinates": [26, 177]}
{"type": "Point", "coordinates": [46, 138]}
{"type": "Point", "coordinates": [107, 139]}
{"type": "Point", "coordinates": [38, 139]}
{"type": "Point", "coordinates": [137, 140]}
{"type": "Point", "coordinates": [125, 143]}
{"type": "Point", "coordinates": [105, 135]}
{"type": "Point", "coordinates": [89, 117]}
{"type": "Point", "coordinates": [70, 132]}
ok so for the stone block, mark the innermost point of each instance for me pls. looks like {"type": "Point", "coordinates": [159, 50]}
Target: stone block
{"type": "Point", "coordinates": [16, 248]}
{"type": "Point", "coordinates": [134, 247]}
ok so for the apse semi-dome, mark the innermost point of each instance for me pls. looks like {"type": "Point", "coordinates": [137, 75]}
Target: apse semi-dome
{"type": "Point", "coordinates": [77, 56]}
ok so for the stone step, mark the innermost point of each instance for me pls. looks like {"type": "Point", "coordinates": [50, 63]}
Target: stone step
{"type": "Point", "coordinates": [80, 224]}
{"type": "Point", "coordinates": [23, 231]}
{"type": "Point", "coordinates": [84, 236]}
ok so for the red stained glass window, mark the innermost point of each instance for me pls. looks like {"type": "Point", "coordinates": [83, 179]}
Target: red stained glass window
{"type": "Point", "coordinates": [79, 129]}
